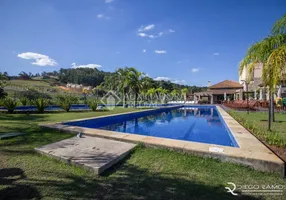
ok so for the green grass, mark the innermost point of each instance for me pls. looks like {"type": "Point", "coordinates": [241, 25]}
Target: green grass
{"type": "Point", "coordinates": [146, 174]}
{"type": "Point", "coordinates": [30, 83]}
{"type": "Point", "coordinates": [257, 123]}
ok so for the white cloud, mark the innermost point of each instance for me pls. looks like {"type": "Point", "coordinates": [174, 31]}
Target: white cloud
{"type": "Point", "coordinates": [40, 59]}
{"type": "Point", "coordinates": [216, 54]}
{"type": "Point", "coordinates": [179, 82]}
{"type": "Point", "coordinates": [160, 34]}
{"type": "Point", "coordinates": [171, 31]}
{"type": "Point", "coordinates": [162, 78]}
{"type": "Point", "coordinates": [160, 51]}
{"type": "Point", "coordinates": [93, 66]}
{"type": "Point", "coordinates": [142, 34]}
{"type": "Point", "coordinates": [109, 1]}
{"type": "Point", "coordinates": [194, 70]}
{"type": "Point", "coordinates": [144, 50]}
{"type": "Point", "coordinates": [102, 16]}
{"type": "Point", "coordinates": [146, 28]}
{"type": "Point", "coordinates": [145, 35]}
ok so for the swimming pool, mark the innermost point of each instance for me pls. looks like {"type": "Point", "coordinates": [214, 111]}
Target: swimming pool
{"type": "Point", "coordinates": [197, 124]}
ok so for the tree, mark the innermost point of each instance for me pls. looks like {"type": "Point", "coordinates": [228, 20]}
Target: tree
{"type": "Point", "coordinates": [3, 78]}
{"type": "Point", "coordinates": [66, 101]}
{"type": "Point", "coordinates": [10, 104]}
{"type": "Point", "coordinates": [122, 81]}
{"type": "Point", "coordinates": [24, 76]}
{"type": "Point", "coordinates": [151, 93]}
{"type": "Point", "coordinates": [184, 92]}
{"type": "Point", "coordinates": [161, 92]}
{"type": "Point", "coordinates": [41, 104]}
{"type": "Point", "coordinates": [174, 93]}
{"type": "Point", "coordinates": [271, 52]}
{"type": "Point", "coordinates": [135, 82]}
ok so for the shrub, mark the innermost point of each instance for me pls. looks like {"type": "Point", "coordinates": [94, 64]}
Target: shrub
{"type": "Point", "coordinates": [10, 104]}
{"type": "Point", "coordinates": [66, 101]}
{"type": "Point", "coordinates": [3, 94]}
{"type": "Point", "coordinates": [41, 104]}
{"type": "Point", "coordinates": [92, 104]}
{"type": "Point", "coordinates": [32, 94]}
{"type": "Point", "coordinates": [24, 101]}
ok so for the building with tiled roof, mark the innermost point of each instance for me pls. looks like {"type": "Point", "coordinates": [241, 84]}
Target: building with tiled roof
{"type": "Point", "coordinates": [222, 91]}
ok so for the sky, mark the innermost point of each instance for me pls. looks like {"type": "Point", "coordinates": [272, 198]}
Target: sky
{"type": "Point", "coordinates": [188, 41]}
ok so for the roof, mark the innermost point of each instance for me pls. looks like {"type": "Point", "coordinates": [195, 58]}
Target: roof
{"type": "Point", "coordinates": [226, 84]}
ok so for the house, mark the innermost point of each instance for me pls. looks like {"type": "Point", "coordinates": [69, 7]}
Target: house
{"type": "Point", "coordinates": [255, 85]}
{"type": "Point", "coordinates": [217, 93]}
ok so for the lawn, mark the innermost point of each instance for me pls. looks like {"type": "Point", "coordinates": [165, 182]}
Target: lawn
{"type": "Point", "coordinates": [257, 122]}
{"type": "Point", "coordinates": [146, 174]}
{"type": "Point", "coordinates": [29, 83]}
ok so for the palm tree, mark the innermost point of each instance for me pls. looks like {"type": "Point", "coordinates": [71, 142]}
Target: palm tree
{"type": "Point", "coordinates": [135, 82]}
{"type": "Point", "coordinates": [151, 93]}
{"type": "Point", "coordinates": [161, 93]}
{"type": "Point", "coordinates": [271, 52]}
{"type": "Point", "coordinates": [174, 93]}
{"type": "Point", "coordinates": [184, 92]}
{"type": "Point", "coordinates": [122, 80]}
{"type": "Point", "coordinates": [146, 85]}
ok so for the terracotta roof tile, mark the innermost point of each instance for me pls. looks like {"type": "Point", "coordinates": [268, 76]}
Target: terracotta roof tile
{"type": "Point", "coordinates": [226, 84]}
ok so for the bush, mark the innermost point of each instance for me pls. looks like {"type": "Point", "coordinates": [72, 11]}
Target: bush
{"type": "Point", "coordinates": [10, 104]}
{"type": "Point", "coordinates": [32, 95]}
{"type": "Point", "coordinates": [92, 104]}
{"type": "Point", "coordinates": [24, 101]}
{"type": "Point", "coordinates": [3, 94]}
{"type": "Point", "coordinates": [41, 104]}
{"type": "Point", "coordinates": [66, 101]}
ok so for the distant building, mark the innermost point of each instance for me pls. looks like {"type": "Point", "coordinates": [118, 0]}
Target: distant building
{"type": "Point", "coordinates": [217, 93]}
{"type": "Point", "coordinates": [77, 86]}
{"type": "Point", "coordinates": [255, 85]}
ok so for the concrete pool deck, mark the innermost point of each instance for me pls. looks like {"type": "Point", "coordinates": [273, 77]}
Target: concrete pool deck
{"type": "Point", "coordinates": [92, 153]}
{"type": "Point", "coordinates": [251, 151]}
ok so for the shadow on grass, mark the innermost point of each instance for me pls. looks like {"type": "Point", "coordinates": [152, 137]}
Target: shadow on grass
{"type": "Point", "coordinates": [132, 182]}
{"type": "Point", "coordinates": [35, 138]}
{"type": "Point", "coordinates": [23, 117]}
{"type": "Point", "coordinates": [13, 190]}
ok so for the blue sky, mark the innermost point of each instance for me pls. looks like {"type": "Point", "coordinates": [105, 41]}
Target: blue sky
{"type": "Point", "coordinates": [186, 41]}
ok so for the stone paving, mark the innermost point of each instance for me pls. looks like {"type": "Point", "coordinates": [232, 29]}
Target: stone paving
{"type": "Point", "coordinates": [92, 153]}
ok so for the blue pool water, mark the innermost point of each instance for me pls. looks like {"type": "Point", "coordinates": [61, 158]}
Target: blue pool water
{"type": "Point", "coordinates": [197, 124]}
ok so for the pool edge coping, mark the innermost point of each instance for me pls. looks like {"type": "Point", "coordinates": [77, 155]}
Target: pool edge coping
{"type": "Point", "coordinates": [251, 151]}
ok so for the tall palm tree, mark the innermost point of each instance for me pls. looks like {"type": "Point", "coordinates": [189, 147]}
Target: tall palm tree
{"type": "Point", "coordinates": [134, 81]}
{"type": "Point", "coordinates": [184, 92]}
{"type": "Point", "coordinates": [161, 94]}
{"type": "Point", "coordinates": [174, 93]}
{"type": "Point", "coordinates": [146, 85]}
{"type": "Point", "coordinates": [122, 80]}
{"type": "Point", "coordinates": [271, 52]}
{"type": "Point", "coordinates": [151, 93]}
